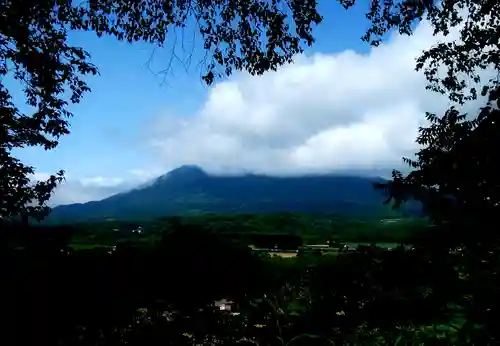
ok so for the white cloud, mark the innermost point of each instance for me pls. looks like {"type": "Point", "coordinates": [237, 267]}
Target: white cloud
{"type": "Point", "coordinates": [145, 175]}
{"type": "Point", "coordinates": [321, 113]}
{"type": "Point", "coordinates": [79, 190]}
{"type": "Point", "coordinates": [100, 181]}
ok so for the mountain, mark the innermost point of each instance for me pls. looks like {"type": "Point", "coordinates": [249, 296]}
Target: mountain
{"type": "Point", "coordinates": [190, 190]}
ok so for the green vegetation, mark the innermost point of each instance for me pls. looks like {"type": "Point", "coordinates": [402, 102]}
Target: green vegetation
{"type": "Point", "coordinates": [311, 229]}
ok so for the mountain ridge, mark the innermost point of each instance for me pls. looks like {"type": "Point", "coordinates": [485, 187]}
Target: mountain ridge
{"type": "Point", "coordinates": [191, 190]}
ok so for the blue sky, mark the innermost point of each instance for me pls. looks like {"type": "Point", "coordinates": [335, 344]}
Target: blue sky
{"type": "Point", "coordinates": [341, 106]}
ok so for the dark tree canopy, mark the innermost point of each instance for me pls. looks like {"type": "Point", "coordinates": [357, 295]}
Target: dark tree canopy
{"type": "Point", "coordinates": [251, 35]}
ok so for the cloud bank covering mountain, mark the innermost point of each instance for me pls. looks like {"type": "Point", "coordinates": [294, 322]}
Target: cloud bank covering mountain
{"type": "Point", "coordinates": [323, 113]}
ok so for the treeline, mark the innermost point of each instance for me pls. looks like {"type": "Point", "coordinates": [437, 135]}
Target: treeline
{"type": "Point", "coordinates": [256, 228]}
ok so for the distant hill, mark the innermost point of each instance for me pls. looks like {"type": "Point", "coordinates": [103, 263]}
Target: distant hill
{"type": "Point", "coordinates": [190, 190]}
